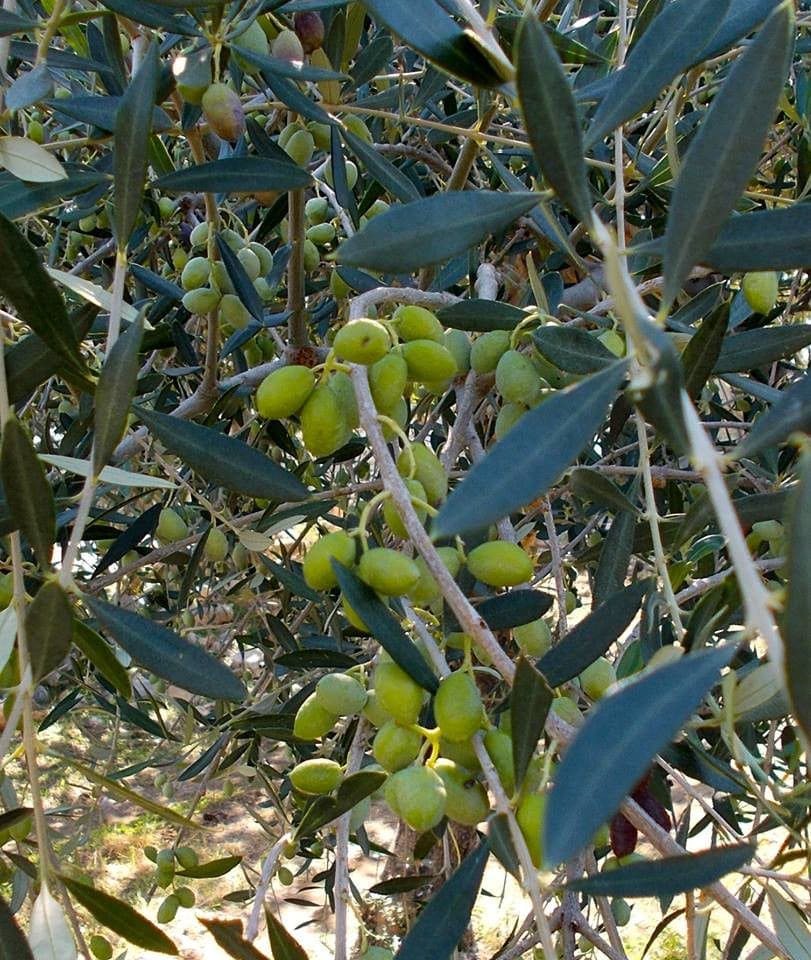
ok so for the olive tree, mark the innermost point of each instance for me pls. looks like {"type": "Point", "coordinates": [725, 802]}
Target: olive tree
{"type": "Point", "coordinates": [404, 411]}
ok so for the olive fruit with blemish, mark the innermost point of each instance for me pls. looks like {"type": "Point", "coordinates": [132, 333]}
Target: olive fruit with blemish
{"type": "Point", "coordinates": [466, 800]}
{"type": "Point", "coordinates": [362, 341]}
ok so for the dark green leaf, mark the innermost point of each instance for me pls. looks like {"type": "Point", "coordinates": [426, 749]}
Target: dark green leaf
{"type": "Point", "coordinates": [284, 68]}
{"type": "Point", "coordinates": [10, 24]}
{"type": "Point", "coordinates": [283, 945]}
{"type": "Point", "coordinates": [29, 88]}
{"type": "Point", "coordinates": [551, 119]}
{"type": "Point", "coordinates": [796, 636]}
{"type": "Point", "coordinates": [243, 286]}
{"type": "Point", "coordinates": [28, 493]}
{"type": "Point", "coordinates": [515, 608]}
{"type": "Point", "coordinates": [385, 627]}
{"type": "Point", "coordinates": [28, 288]}
{"type": "Point", "coordinates": [572, 349]}
{"type": "Point", "coordinates": [56, 57]}
{"type": "Point", "coordinates": [49, 628]}
{"type": "Point", "coordinates": [529, 705]}
{"type": "Point", "coordinates": [120, 918]}
{"type": "Point", "coordinates": [441, 924]}
{"type": "Point", "coordinates": [701, 353]}
{"type": "Point", "coordinates": [668, 876]}
{"type": "Point", "coordinates": [140, 528]}
{"type": "Point", "coordinates": [742, 17]}
{"type": "Point", "coordinates": [501, 843]}
{"type": "Point", "coordinates": [223, 460]}
{"type": "Point", "coordinates": [13, 942]}
{"type": "Point", "coordinates": [102, 112]}
{"type": "Point", "coordinates": [102, 657]}
{"type": "Point", "coordinates": [210, 870]}
{"type": "Point", "coordinates": [114, 392]}
{"type": "Point", "coordinates": [424, 232]}
{"type": "Point", "coordinates": [670, 45]}
{"type": "Point", "coordinates": [326, 809]}
{"type": "Point", "coordinates": [290, 95]}
{"type": "Point", "coordinates": [791, 413]}
{"type": "Point", "coordinates": [593, 635]}
{"type": "Point", "coordinates": [592, 485]}
{"type": "Point", "coordinates": [764, 240]}
{"type": "Point", "coordinates": [11, 817]}
{"type": "Point", "coordinates": [235, 175]}
{"type": "Point", "coordinates": [425, 26]}
{"type": "Point", "coordinates": [228, 934]}
{"type": "Point", "coordinates": [756, 348]}
{"type": "Point", "coordinates": [389, 888]}
{"type": "Point", "coordinates": [19, 199]}
{"type": "Point", "coordinates": [481, 315]}
{"type": "Point", "coordinates": [133, 123]}
{"type": "Point", "coordinates": [154, 15]}
{"type": "Point", "coordinates": [616, 744]}
{"type": "Point", "coordinates": [660, 403]}
{"type": "Point", "coordinates": [524, 464]}
{"type": "Point", "coordinates": [391, 178]}
{"type": "Point", "coordinates": [712, 176]}
{"type": "Point", "coordinates": [166, 654]}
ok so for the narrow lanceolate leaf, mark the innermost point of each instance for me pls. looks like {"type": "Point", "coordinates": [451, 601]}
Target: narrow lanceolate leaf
{"type": "Point", "coordinates": [533, 455]}
{"type": "Point", "coordinates": [741, 19]}
{"type": "Point", "coordinates": [615, 556]}
{"type": "Point", "coordinates": [796, 636]}
{"type": "Point", "coordinates": [593, 635]}
{"type": "Point", "coordinates": [28, 493]}
{"type": "Point", "coordinates": [28, 288]}
{"type": "Point", "coordinates": [667, 877]}
{"type": "Point", "coordinates": [529, 705]}
{"type": "Point", "coordinates": [49, 935]}
{"type": "Point", "coordinates": [97, 651]}
{"type": "Point", "coordinates": [119, 917]}
{"type": "Point", "coordinates": [114, 393]}
{"type": "Point", "coordinates": [790, 926]}
{"type": "Point", "coordinates": [791, 413]}
{"type": "Point", "coordinates": [13, 945]}
{"type": "Point", "coordinates": [713, 177]}
{"type": "Point", "coordinates": [210, 870]}
{"type": "Point", "coordinates": [441, 924]}
{"type": "Point", "coordinates": [165, 653]}
{"type": "Point", "coordinates": [385, 627]}
{"type": "Point", "coordinates": [755, 348]}
{"type": "Point", "coordinates": [228, 934]}
{"type": "Point", "coordinates": [29, 161]}
{"type": "Point", "coordinates": [325, 810]}
{"type": "Point", "coordinates": [572, 350]}
{"type": "Point", "coordinates": [428, 231]}
{"type": "Point", "coordinates": [283, 945]}
{"type": "Point", "coordinates": [591, 485]}
{"type": "Point", "coordinates": [702, 352]}
{"type": "Point", "coordinates": [550, 115]}
{"type": "Point", "coordinates": [223, 460]}
{"type": "Point", "coordinates": [133, 124]}
{"type": "Point", "coordinates": [243, 286]}
{"type": "Point", "coordinates": [616, 745]}
{"type": "Point", "coordinates": [670, 45]}
{"type": "Point", "coordinates": [764, 240]}
{"type": "Point", "coordinates": [236, 175]}
{"type": "Point", "coordinates": [49, 628]}
{"type": "Point", "coordinates": [391, 178]}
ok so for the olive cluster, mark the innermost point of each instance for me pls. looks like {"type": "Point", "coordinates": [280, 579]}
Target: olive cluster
{"type": "Point", "coordinates": [166, 863]}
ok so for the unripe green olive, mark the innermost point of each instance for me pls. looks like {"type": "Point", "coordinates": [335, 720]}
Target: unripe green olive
{"type": "Point", "coordinates": [487, 350]}
{"type": "Point", "coordinates": [284, 392]}
{"type": "Point", "coordinates": [254, 41]}
{"type": "Point", "coordinates": [761, 290]}
{"type": "Point", "coordinates": [351, 174]}
{"type": "Point", "coordinates": [199, 236]}
{"type": "Point", "coordinates": [216, 548]}
{"type": "Point", "coordinates": [185, 897]}
{"type": "Point", "coordinates": [264, 256]}
{"type": "Point", "coordinates": [500, 564]}
{"type": "Point", "coordinates": [426, 589]}
{"type": "Point", "coordinates": [417, 323]}
{"type": "Point", "coordinates": [166, 207]}
{"type": "Point", "coordinates": [387, 380]}
{"type": "Point", "coordinates": [321, 234]}
{"type": "Point", "coordinates": [171, 527]}
{"type": "Point", "coordinates": [285, 876]}
{"type": "Point", "coordinates": [36, 131]}
{"type": "Point", "coordinates": [321, 134]}
{"type": "Point", "coordinates": [530, 817]}
{"type": "Point", "coordinates": [201, 301]}
{"type": "Point", "coordinates": [458, 707]}
{"type": "Point", "coordinates": [392, 516]}
{"type": "Point", "coordinates": [420, 797]}
{"type": "Point", "coordinates": [250, 262]}
{"type": "Point", "coordinates": [316, 210]}
{"type": "Point", "coordinates": [517, 379]}
{"type": "Point", "coordinates": [352, 616]}
{"type": "Point", "coordinates": [324, 426]}
{"type": "Point", "coordinates": [223, 111]}
{"type": "Point", "coordinates": [466, 800]}
{"type": "Point", "coordinates": [621, 911]}
{"type": "Point", "coordinates": [458, 343]}
{"type": "Point", "coordinates": [499, 746]}
{"type": "Point", "coordinates": [567, 710]}
{"type": "Point", "coordinates": [598, 678]}
{"type": "Point", "coordinates": [288, 132]}
{"type": "Point", "coordinates": [300, 147]}
{"type": "Point", "coordinates": [338, 287]}
{"type": "Point", "coordinates": [287, 46]}
{"type": "Point", "coordinates": [429, 471]}
{"type": "Point", "coordinates": [463, 753]}
{"type": "Point", "coordinates": [317, 565]}
{"type": "Point", "coordinates": [373, 712]}
{"type": "Point", "coordinates": [167, 911]}
{"type": "Point", "coordinates": [341, 694]}
{"type": "Point", "coordinates": [396, 747]}
{"type": "Point", "coordinates": [362, 341]}
{"type": "Point", "coordinates": [100, 947]}
{"type": "Point", "coordinates": [316, 776]}
{"type": "Point", "coordinates": [312, 258]}
{"type": "Point", "coordinates": [187, 857]}
{"type": "Point", "coordinates": [508, 416]}
{"type": "Point", "coordinates": [399, 414]}
{"type": "Point", "coordinates": [388, 571]}
{"type": "Point", "coordinates": [612, 341]}
{"type": "Point", "coordinates": [88, 224]}
{"type": "Point", "coordinates": [534, 638]}
{"type": "Point", "coordinates": [428, 361]}
{"type": "Point", "coordinates": [341, 385]}
{"type": "Point", "coordinates": [397, 693]}
{"type": "Point", "coordinates": [313, 720]}
{"type": "Point", "coordinates": [234, 312]}
{"type": "Point", "coordinates": [355, 125]}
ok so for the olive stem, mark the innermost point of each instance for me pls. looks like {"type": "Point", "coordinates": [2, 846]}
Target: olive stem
{"type": "Point", "coordinates": [268, 869]}
{"type": "Point", "coordinates": [297, 325]}
{"type": "Point", "coordinates": [557, 567]}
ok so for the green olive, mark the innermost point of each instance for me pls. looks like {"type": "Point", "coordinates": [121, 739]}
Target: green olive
{"type": "Point", "coordinates": [171, 527]}
{"type": "Point", "coordinates": [312, 720]}
{"type": "Point", "coordinates": [533, 638]}
{"type": "Point", "coordinates": [428, 361]}
{"type": "Point", "coordinates": [254, 41]}
{"type": "Point", "coordinates": [488, 349]}
{"type": "Point", "coordinates": [598, 678]}
{"type": "Point", "coordinates": [300, 147]}
{"type": "Point", "coordinates": [316, 210]}
{"type": "Point", "coordinates": [530, 817]}
{"type": "Point", "coordinates": [324, 427]}
{"type": "Point", "coordinates": [499, 746]}
{"type": "Point", "coordinates": [392, 516]}
{"type": "Point", "coordinates": [362, 341]}
{"type": "Point", "coordinates": [187, 857]}
{"type": "Point", "coordinates": [458, 707]}
{"type": "Point", "coordinates": [317, 566]}
{"type": "Point", "coordinates": [251, 263]}
{"type": "Point", "coordinates": [388, 571]}
{"type": "Point", "coordinates": [232, 311]}
{"type": "Point", "coordinates": [395, 746]}
{"type": "Point", "coordinates": [761, 290]}
{"type": "Point", "coordinates": [373, 712]}
{"type": "Point", "coordinates": [429, 471]}
{"type": "Point", "coordinates": [458, 343]}
{"type": "Point", "coordinates": [420, 797]}
{"type": "Point", "coordinates": [201, 301]}
{"type": "Point", "coordinates": [417, 323]}
{"type": "Point", "coordinates": [341, 694]}
{"type": "Point", "coordinates": [284, 392]}
{"type": "Point", "coordinates": [466, 799]}
{"type": "Point", "coordinates": [387, 381]}
{"type": "Point", "coordinates": [517, 379]}
{"type": "Point", "coordinates": [500, 564]}
{"type": "Point", "coordinates": [100, 947]}
{"type": "Point", "coordinates": [167, 911]}
{"type": "Point", "coordinates": [508, 416]}
{"type": "Point", "coordinates": [216, 548]}
{"type": "Point", "coordinates": [397, 693]}
{"type": "Point", "coordinates": [317, 776]}
{"type": "Point", "coordinates": [185, 897]}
